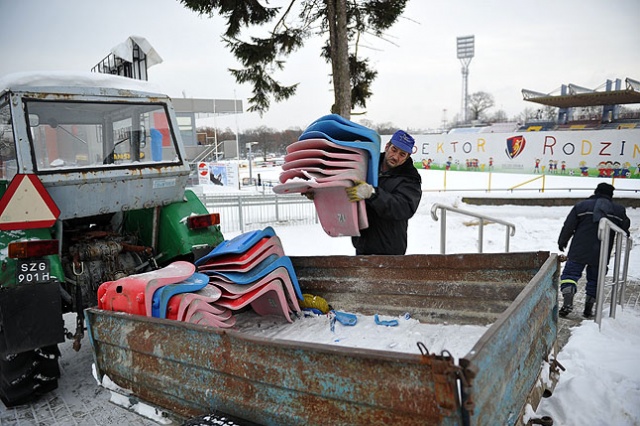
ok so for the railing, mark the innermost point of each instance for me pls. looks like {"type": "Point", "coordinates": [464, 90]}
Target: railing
{"type": "Point", "coordinates": [621, 258]}
{"type": "Point", "coordinates": [511, 228]}
{"type": "Point", "coordinates": [207, 153]}
{"type": "Point", "coordinates": [247, 212]}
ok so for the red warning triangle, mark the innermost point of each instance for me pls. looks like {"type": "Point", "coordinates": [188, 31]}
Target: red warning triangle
{"type": "Point", "coordinates": [26, 204]}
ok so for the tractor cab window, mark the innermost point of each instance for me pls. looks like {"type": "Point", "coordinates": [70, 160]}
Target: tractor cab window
{"type": "Point", "coordinates": [80, 135]}
{"type": "Point", "coordinates": [8, 163]}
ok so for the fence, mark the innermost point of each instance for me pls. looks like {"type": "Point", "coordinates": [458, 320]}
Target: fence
{"type": "Point", "coordinates": [241, 213]}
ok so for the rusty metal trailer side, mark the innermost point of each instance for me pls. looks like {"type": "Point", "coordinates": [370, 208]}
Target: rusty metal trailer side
{"type": "Point", "coordinates": [503, 367]}
{"type": "Point", "coordinates": [192, 369]}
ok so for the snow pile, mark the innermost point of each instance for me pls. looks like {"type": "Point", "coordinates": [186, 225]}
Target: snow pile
{"type": "Point", "coordinates": [601, 384]}
{"type": "Point", "coordinates": [456, 339]}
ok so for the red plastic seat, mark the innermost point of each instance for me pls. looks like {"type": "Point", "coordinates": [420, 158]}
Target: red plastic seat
{"type": "Point", "coordinates": [129, 294]}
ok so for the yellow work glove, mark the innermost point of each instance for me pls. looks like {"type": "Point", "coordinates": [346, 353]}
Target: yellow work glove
{"type": "Point", "coordinates": [360, 191]}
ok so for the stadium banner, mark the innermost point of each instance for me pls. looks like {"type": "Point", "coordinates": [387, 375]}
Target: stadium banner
{"type": "Point", "coordinates": [597, 153]}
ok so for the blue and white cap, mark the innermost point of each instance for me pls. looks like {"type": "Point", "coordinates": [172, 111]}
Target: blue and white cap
{"type": "Point", "coordinates": [403, 141]}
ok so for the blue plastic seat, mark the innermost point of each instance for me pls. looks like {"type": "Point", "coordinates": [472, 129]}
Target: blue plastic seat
{"type": "Point", "coordinates": [237, 245]}
{"type": "Point", "coordinates": [339, 127]}
{"type": "Point", "coordinates": [161, 296]}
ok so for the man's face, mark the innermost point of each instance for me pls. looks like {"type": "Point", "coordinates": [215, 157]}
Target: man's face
{"type": "Point", "coordinates": [394, 156]}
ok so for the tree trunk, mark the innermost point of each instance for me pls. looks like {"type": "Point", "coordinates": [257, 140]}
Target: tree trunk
{"type": "Point", "coordinates": [339, 51]}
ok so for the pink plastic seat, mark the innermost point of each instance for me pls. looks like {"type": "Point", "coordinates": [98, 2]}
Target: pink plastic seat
{"type": "Point", "coordinates": [325, 144]}
{"type": "Point", "coordinates": [209, 294]}
{"type": "Point", "coordinates": [337, 214]}
{"type": "Point", "coordinates": [206, 318]}
{"type": "Point", "coordinates": [269, 297]}
{"type": "Point", "coordinates": [232, 290]}
{"type": "Point", "coordinates": [300, 173]}
{"type": "Point", "coordinates": [303, 163]}
{"type": "Point", "coordinates": [327, 154]}
{"type": "Point", "coordinates": [351, 175]}
{"type": "Point", "coordinates": [200, 305]}
{"type": "Point", "coordinates": [172, 274]}
{"type": "Point", "coordinates": [302, 186]}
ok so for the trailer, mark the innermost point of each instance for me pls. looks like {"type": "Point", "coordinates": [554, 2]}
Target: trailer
{"type": "Point", "coordinates": [191, 370]}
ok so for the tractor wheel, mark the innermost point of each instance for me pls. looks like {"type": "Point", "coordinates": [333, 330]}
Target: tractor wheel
{"type": "Point", "coordinates": [26, 376]}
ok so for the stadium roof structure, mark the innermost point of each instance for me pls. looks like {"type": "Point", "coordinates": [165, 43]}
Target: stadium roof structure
{"type": "Point", "coordinates": [582, 97]}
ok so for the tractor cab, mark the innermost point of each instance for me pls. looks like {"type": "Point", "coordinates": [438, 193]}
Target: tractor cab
{"type": "Point", "coordinates": [96, 150]}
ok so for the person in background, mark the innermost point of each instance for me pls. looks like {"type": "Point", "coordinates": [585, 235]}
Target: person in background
{"type": "Point", "coordinates": [581, 227]}
{"type": "Point", "coordinates": [392, 203]}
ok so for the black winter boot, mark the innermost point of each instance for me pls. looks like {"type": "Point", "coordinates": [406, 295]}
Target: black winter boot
{"type": "Point", "coordinates": [567, 304]}
{"type": "Point", "coordinates": [588, 306]}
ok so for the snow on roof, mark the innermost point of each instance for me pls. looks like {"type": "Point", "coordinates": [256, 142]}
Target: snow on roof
{"type": "Point", "coordinates": [125, 50]}
{"type": "Point", "coordinates": [75, 79]}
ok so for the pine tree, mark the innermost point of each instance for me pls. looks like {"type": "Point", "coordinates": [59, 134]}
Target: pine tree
{"type": "Point", "coordinates": [341, 22]}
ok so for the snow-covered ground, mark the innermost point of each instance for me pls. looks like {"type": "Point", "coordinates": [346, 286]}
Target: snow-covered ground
{"type": "Point", "coordinates": [601, 384]}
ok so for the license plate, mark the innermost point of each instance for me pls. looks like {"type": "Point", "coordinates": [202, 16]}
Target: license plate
{"type": "Point", "coordinates": [33, 271]}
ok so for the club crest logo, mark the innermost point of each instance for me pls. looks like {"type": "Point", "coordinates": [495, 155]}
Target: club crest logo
{"type": "Point", "coordinates": [515, 146]}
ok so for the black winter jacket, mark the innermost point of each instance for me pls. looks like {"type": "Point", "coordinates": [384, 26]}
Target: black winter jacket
{"type": "Point", "coordinates": [389, 210]}
{"type": "Point", "coordinates": [582, 224]}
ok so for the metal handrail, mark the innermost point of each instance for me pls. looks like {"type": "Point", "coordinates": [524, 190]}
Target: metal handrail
{"type": "Point", "coordinates": [605, 226]}
{"type": "Point", "coordinates": [443, 225]}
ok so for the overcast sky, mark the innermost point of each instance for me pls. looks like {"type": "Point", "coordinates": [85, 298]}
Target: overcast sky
{"type": "Point", "coordinates": [534, 45]}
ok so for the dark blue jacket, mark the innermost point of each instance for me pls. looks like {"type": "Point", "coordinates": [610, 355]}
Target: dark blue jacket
{"type": "Point", "coordinates": [388, 211]}
{"type": "Point", "coordinates": [582, 225]}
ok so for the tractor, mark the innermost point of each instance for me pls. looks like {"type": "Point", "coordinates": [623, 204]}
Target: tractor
{"type": "Point", "coordinates": [93, 180]}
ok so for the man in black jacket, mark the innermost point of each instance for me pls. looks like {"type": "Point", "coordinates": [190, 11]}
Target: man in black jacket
{"type": "Point", "coordinates": [392, 203]}
{"type": "Point", "coordinates": [582, 225]}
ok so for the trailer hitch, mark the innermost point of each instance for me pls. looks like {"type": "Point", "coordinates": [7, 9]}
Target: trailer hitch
{"type": "Point", "coordinates": [544, 421]}
{"type": "Point", "coordinates": [79, 334]}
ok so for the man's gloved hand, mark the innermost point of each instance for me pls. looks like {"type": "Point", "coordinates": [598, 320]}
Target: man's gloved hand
{"type": "Point", "coordinates": [360, 191]}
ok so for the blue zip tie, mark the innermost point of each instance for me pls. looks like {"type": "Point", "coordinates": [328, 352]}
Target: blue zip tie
{"type": "Point", "coordinates": [389, 323]}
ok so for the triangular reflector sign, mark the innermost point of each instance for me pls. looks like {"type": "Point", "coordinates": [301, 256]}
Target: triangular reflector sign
{"type": "Point", "coordinates": [26, 204]}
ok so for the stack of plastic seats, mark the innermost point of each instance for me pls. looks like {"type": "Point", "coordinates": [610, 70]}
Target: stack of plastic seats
{"type": "Point", "coordinates": [330, 156]}
{"type": "Point", "coordinates": [252, 270]}
{"type": "Point", "coordinates": [175, 292]}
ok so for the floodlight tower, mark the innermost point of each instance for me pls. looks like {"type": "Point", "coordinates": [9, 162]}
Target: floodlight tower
{"type": "Point", "coordinates": [465, 54]}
